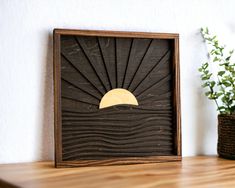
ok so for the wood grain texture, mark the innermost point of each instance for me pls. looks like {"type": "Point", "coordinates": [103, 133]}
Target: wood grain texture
{"type": "Point", "coordinates": [193, 172]}
{"type": "Point", "coordinates": [91, 65]}
{"type": "Point", "coordinates": [122, 34]}
{"type": "Point", "coordinates": [57, 96]}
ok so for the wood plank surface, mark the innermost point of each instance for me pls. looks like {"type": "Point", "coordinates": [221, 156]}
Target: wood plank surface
{"type": "Point", "coordinates": [192, 172]}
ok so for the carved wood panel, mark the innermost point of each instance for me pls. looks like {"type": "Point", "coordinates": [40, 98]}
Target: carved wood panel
{"type": "Point", "coordinates": [136, 76]}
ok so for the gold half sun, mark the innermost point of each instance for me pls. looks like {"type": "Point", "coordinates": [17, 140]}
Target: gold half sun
{"type": "Point", "coordinates": [118, 96]}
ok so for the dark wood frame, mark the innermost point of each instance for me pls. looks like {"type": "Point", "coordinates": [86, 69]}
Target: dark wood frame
{"type": "Point", "coordinates": [57, 98]}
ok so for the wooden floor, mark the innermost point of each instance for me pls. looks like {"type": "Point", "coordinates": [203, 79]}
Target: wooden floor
{"type": "Point", "coordinates": [191, 172]}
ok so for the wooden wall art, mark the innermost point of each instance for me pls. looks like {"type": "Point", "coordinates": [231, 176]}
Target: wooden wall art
{"type": "Point", "coordinates": [117, 97]}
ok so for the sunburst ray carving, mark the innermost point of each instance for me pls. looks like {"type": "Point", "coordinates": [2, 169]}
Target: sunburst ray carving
{"type": "Point", "coordinates": [100, 125]}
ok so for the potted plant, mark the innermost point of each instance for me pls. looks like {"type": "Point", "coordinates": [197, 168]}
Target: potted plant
{"type": "Point", "coordinates": [220, 87]}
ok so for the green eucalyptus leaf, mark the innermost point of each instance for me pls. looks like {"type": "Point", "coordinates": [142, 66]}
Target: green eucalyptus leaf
{"type": "Point", "coordinates": [231, 52]}
{"type": "Point", "coordinates": [221, 73]}
{"type": "Point", "coordinates": [219, 94]}
{"type": "Point", "coordinates": [228, 58]}
{"type": "Point", "coordinates": [227, 84]}
{"type": "Point", "coordinates": [205, 65]}
{"type": "Point", "coordinates": [203, 76]}
{"type": "Point", "coordinates": [212, 84]}
{"type": "Point", "coordinates": [216, 59]}
{"type": "Point", "coordinates": [205, 84]}
{"type": "Point", "coordinates": [208, 93]}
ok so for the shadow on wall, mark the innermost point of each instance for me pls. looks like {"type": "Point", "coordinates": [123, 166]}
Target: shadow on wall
{"type": "Point", "coordinates": [205, 119]}
{"type": "Point", "coordinates": [203, 125]}
{"type": "Point", "coordinates": [47, 132]}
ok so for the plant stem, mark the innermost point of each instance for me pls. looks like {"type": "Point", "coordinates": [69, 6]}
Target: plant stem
{"type": "Point", "coordinates": [212, 91]}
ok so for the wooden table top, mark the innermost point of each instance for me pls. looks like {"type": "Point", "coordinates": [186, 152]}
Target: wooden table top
{"type": "Point", "coordinates": [191, 172]}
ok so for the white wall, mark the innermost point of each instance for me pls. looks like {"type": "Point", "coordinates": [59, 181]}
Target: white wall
{"type": "Point", "coordinates": [26, 88]}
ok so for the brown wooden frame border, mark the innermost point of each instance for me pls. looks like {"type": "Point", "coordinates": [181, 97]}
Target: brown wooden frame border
{"type": "Point", "coordinates": [57, 98]}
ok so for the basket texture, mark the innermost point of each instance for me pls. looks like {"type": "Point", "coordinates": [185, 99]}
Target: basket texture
{"type": "Point", "coordinates": [226, 136]}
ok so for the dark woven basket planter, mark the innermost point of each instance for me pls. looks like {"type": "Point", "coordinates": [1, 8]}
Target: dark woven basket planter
{"type": "Point", "coordinates": [226, 136]}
